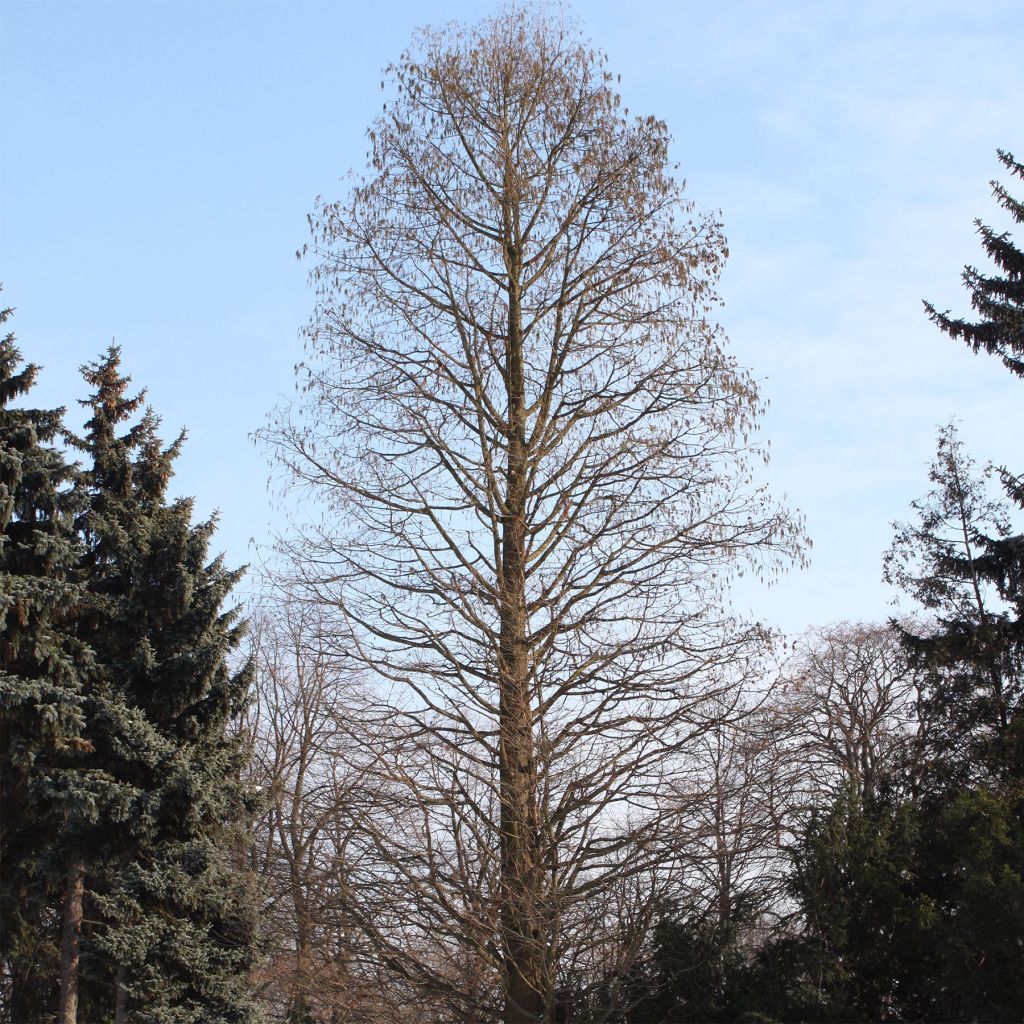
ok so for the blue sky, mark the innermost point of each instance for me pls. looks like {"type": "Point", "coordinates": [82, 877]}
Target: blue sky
{"type": "Point", "coordinates": [159, 159]}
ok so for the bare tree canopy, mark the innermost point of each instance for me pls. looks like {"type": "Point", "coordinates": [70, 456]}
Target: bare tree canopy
{"type": "Point", "coordinates": [532, 455]}
{"type": "Point", "coordinates": [853, 701]}
{"type": "Point", "coordinates": [303, 841]}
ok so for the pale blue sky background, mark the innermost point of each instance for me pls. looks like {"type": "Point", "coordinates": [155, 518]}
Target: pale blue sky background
{"type": "Point", "coordinates": [159, 159]}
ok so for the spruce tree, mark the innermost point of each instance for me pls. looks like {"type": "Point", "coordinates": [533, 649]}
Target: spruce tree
{"type": "Point", "coordinates": [41, 693]}
{"type": "Point", "coordinates": [992, 644]}
{"type": "Point", "coordinates": [998, 298]}
{"type": "Point", "coordinates": [963, 560]}
{"type": "Point", "coordinates": [171, 936]}
{"type": "Point", "coordinates": [969, 657]}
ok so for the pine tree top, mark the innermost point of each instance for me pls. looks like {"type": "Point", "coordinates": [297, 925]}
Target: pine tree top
{"type": "Point", "coordinates": [13, 382]}
{"type": "Point", "coordinates": [997, 298]}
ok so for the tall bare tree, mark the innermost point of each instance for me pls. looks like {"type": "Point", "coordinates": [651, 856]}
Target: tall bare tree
{"type": "Point", "coordinates": [533, 454]}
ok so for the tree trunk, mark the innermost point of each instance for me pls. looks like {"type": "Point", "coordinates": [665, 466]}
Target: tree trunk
{"type": "Point", "coordinates": [522, 928]}
{"type": "Point", "coordinates": [121, 998]}
{"type": "Point", "coordinates": [300, 983]}
{"type": "Point", "coordinates": [67, 1011]}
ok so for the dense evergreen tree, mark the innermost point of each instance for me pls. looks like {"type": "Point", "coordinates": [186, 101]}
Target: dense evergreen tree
{"type": "Point", "coordinates": [866, 948]}
{"type": "Point", "coordinates": [991, 643]}
{"type": "Point", "coordinates": [169, 906]}
{"type": "Point", "coordinates": [695, 973]}
{"type": "Point", "coordinates": [913, 907]}
{"type": "Point", "coordinates": [122, 897]}
{"type": "Point", "coordinates": [969, 655]}
{"type": "Point", "coordinates": [41, 703]}
{"type": "Point", "coordinates": [970, 864]}
{"type": "Point", "coordinates": [912, 911]}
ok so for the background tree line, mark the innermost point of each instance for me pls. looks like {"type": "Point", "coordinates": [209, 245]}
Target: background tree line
{"type": "Point", "coordinates": [494, 746]}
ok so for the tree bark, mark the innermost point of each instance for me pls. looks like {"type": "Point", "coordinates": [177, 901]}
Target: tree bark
{"type": "Point", "coordinates": [520, 826]}
{"type": "Point", "coordinates": [300, 985]}
{"type": "Point", "coordinates": [67, 1011]}
{"type": "Point", "coordinates": [121, 998]}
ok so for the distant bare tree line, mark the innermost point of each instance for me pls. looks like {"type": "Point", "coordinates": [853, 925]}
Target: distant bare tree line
{"type": "Point", "coordinates": [376, 893]}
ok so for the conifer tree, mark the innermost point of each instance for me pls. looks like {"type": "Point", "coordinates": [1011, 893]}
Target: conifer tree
{"type": "Point", "coordinates": [991, 644]}
{"type": "Point", "coordinates": [172, 932]}
{"type": "Point", "coordinates": [963, 560]}
{"type": "Point", "coordinates": [41, 701]}
{"type": "Point", "coordinates": [972, 690]}
{"type": "Point", "coordinates": [998, 299]}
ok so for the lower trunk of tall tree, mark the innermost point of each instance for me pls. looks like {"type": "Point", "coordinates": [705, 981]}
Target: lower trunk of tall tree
{"type": "Point", "coordinates": [67, 1009]}
{"type": "Point", "coordinates": [522, 922]}
{"type": "Point", "coordinates": [299, 1010]}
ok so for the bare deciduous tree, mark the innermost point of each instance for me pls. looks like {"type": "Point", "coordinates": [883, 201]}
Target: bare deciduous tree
{"type": "Point", "coordinates": [733, 820]}
{"type": "Point", "coordinates": [304, 842]}
{"type": "Point", "coordinates": [854, 702]}
{"type": "Point", "coordinates": [533, 457]}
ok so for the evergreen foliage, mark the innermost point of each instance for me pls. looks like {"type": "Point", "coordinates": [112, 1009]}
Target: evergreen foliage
{"type": "Point", "coordinates": [998, 299]}
{"type": "Point", "coordinates": [971, 867]}
{"type": "Point", "coordinates": [910, 899]}
{"type": "Point", "coordinates": [41, 703]}
{"type": "Point", "coordinates": [172, 907]}
{"type": "Point", "coordinates": [116, 695]}
{"type": "Point", "coordinates": [912, 912]}
{"type": "Point", "coordinates": [989, 644]}
{"type": "Point", "coordinates": [953, 561]}
{"type": "Point", "coordinates": [865, 949]}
